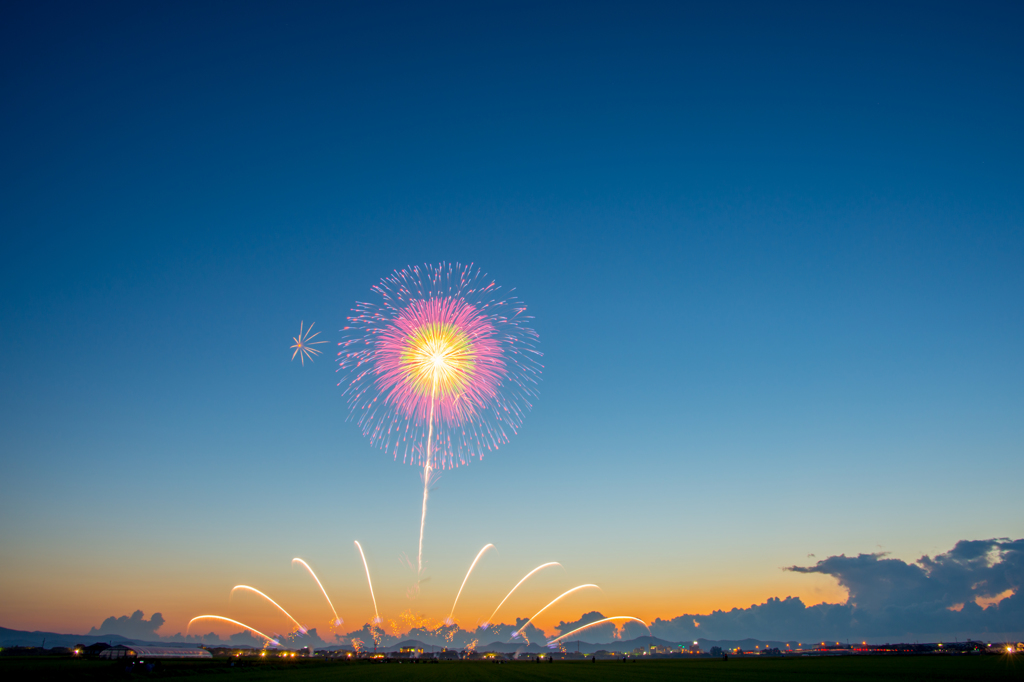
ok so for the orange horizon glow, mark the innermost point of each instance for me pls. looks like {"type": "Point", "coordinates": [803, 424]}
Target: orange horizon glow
{"type": "Point", "coordinates": [88, 613]}
{"type": "Point", "coordinates": [337, 619]}
{"type": "Point", "coordinates": [525, 577]}
{"type": "Point", "coordinates": [74, 605]}
{"type": "Point", "coordinates": [298, 626]}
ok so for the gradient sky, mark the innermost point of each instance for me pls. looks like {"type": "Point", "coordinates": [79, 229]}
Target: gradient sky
{"type": "Point", "coordinates": [774, 253]}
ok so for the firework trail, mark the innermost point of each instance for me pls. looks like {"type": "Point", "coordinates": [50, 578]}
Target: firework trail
{"type": "Point", "coordinates": [556, 640]}
{"type": "Point", "coordinates": [426, 476]}
{"type": "Point", "coordinates": [304, 344]}
{"type": "Point", "coordinates": [270, 640]}
{"type": "Point", "coordinates": [541, 567]}
{"type": "Point", "coordinates": [441, 370]}
{"type": "Point", "coordinates": [280, 608]}
{"type": "Point", "coordinates": [337, 621]}
{"type": "Point", "coordinates": [471, 567]}
{"type": "Point", "coordinates": [554, 601]}
{"type": "Point", "coordinates": [368, 582]}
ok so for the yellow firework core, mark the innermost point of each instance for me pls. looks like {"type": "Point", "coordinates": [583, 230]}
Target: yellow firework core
{"type": "Point", "coordinates": [438, 355]}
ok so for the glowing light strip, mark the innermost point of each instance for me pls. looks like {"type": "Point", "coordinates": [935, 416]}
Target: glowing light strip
{"type": "Point", "coordinates": [471, 567]}
{"type": "Point", "coordinates": [235, 622]}
{"type": "Point", "coordinates": [281, 608]}
{"type": "Point", "coordinates": [542, 566]}
{"type": "Point", "coordinates": [337, 620]}
{"type": "Point", "coordinates": [426, 478]}
{"type": "Point", "coordinates": [552, 603]}
{"type": "Point", "coordinates": [597, 622]}
{"type": "Point", "coordinates": [368, 581]}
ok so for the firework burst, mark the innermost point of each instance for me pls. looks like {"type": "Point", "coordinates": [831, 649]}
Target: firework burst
{"type": "Point", "coordinates": [441, 370]}
{"type": "Point", "coordinates": [304, 344]}
{"type": "Point", "coordinates": [441, 340]}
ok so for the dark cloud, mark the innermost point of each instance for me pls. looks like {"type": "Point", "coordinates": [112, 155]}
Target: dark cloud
{"type": "Point", "coordinates": [776, 619]}
{"type": "Point", "coordinates": [135, 627]}
{"type": "Point", "coordinates": [888, 599]}
{"type": "Point", "coordinates": [246, 638]}
{"type": "Point", "coordinates": [973, 569]}
{"type": "Point", "coordinates": [528, 633]}
{"type": "Point", "coordinates": [372, 635]}
{"type": "Point", "coordinates": [605, 632]}
{"type": "Point", "coordinates": [298, 640]}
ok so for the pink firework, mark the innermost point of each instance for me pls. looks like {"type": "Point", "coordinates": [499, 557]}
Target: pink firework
{"type": "Point", "coordinates": [441, 370]}
{"type": "Point", "coordinates": [441, 353]}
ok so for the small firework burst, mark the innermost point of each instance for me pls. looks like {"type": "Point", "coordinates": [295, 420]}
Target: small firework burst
{"type": "Point", "coordinates": [304, 344]}
{"type": "Point", "coordinates": [413, 624]}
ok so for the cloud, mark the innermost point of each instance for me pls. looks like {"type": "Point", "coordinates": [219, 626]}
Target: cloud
{"type": "Point", "coordinates": [776, 619]}
{"type": "Point", "coordinates": [529, 633]}
{"type": "Point", "coordinates": [246, 638]}
{"type": "Point", "coordinates": [972, 570]}
{"type": "Point", "coordinates": [973, 590]}
{"type": "Point", "coordinates": [135, 627]}
{"type": "Point", "coordinates": [598, 633]}
{"type": "Point", "coordinates": [606, 632]}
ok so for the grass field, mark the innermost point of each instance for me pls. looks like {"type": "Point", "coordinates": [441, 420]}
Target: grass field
{"type": "Point", "coordinates": [842, 669]}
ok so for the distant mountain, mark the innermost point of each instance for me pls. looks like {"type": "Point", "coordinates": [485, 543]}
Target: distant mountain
{"type": "Point", "coordinates": [10, 637]}
{"type": "Point", "coordinates": [22, 638]}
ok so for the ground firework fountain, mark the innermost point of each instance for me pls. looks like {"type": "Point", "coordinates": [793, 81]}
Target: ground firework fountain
{"type": "Point", "coordinates": [446, 628]}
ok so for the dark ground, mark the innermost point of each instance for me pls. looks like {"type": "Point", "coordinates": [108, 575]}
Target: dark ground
{"type": "Point", "coordinates": [873, 668]}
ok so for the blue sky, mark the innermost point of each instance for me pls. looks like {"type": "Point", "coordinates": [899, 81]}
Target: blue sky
{"type": "Point", "coordinates": [773, 253]}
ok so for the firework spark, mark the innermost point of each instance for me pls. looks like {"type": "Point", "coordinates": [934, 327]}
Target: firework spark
{"type": "Point", "coordinates": [550, 604]}
{"type": "Point", "coordinates": [337, 621]}
{"type": "Point", "coordinates": [369, 582]}
{"type": "Point", "coordinates": [298, 626]}
{"type": "Point", "coordinates": [440, 371]}
{"type": "Point", "coordinates": [471, 567]}
{"type": "Point", "coordinates": [270, 640]}
{"type": "Point", "coordinates": [539, 568]}
{"type": "Point", "coordinates": [556, 640]}
{"type": "Point", "coordinates": [304, 344]}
